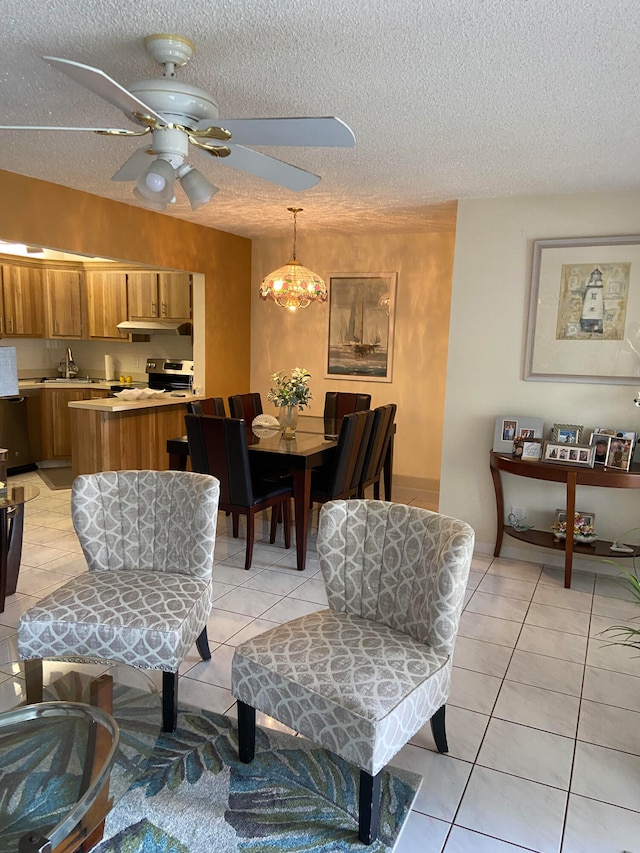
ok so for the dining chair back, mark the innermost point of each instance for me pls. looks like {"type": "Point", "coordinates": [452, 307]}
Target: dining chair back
{"type": "Point", "coordinates": [362, 677]}
{"type": "Point", "coordinates": [148, 538]}
{"type": "Point", "coordinates": [247, 406]}
{"type": "Point", "coordinates": [342, 477]}
{"type": "Point", "coordinates": [208, 406]}
{"type": "Point", "coordinates": [377, 448]}
{"type": "Point", "coordinates": [337, 404]}
{"type": "Point", "coordinates": [218, 446]}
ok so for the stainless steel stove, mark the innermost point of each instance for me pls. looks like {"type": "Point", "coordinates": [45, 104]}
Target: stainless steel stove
{"type": "Point", "coordinates": [170, 374]}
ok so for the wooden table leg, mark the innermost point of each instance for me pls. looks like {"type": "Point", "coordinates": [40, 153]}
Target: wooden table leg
{"type": "Point", "coordinates": [301, 503]}
{"type": "Point", "coordinates": [497, 486]}
{"type": "Point", "coordinates": [568, 542]}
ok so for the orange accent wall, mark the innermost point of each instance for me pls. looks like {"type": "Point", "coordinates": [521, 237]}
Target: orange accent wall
{"type": "Point", "coordinates": [45, 214]}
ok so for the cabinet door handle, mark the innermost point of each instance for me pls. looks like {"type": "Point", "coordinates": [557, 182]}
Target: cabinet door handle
{"type": "Point", "coordinates": [55, 327]}
{"type": "Point", "coordinates": [11, 324]}
{"type": "Point", "coordinates": [1, 325]}
{"type": "Point", "coordinates": [164, 309]}
{"type": "Point", "coordinates": [154, 308]}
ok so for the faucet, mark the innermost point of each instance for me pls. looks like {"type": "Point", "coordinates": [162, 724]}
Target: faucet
{"type": "Point", "coordinates": [70, 369]}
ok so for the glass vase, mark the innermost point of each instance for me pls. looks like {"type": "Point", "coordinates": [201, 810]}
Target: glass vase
{"type": "Point", "coordinates": [288, 418]}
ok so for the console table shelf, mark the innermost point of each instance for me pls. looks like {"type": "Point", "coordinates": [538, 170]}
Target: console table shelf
{"type": "Point", "coordinates": [572, 476]}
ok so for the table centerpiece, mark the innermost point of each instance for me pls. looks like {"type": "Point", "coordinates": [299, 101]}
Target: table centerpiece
{"type": "Point", "coordinates": [291, 393]}
{"type": "Point", "coordinates": [583, 530]}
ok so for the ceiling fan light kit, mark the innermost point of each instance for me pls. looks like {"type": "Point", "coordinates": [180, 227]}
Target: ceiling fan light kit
{"type": "Point", "coordinates": [293, 286]}
{"type": "Point", "coordinates": [177, 115]}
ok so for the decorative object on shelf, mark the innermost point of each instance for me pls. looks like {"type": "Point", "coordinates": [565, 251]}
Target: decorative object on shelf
{"type": "Point", "coordinates": [583, 527]}
{"type": "Point", "coordinates": [518, 522]}
{"type": "Point", "coordinates": [528, 449]}
{"type": "Point", "coordinates": [571, 337]}
{"type": "Point", "coordinates": [291, 394]}
{"type": "Point", "coordinates": [509, 427]}
{"type": "Point", "coordinates": [620, 453]}
{"type": "Point", "coordinates": [569, 454]}
{"type": "Point", "coordinates": [293, 286]}
{"type": "Point", "coordinates": [601, 444]}
{"type": "Point", "coordinates": [567, 433]}
{"type": "Point", "coordinates": [361, 326]}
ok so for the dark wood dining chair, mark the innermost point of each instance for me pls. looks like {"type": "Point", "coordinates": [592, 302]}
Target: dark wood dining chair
{"type": "Point", "coordinates": [337, 404]}
{"type": "Point", "coordinates": [246, 406]}
{"type": "Point", "coordinates": [342, 478]}
{"type": "Point", "coordinates": [377, 448]}
{"type": "Point", "coordinates": [208, 406]}
{"type": "Point", "coordinates": [218, 446]}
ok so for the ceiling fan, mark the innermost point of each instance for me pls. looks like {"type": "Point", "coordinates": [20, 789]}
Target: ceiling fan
{"type": "Point", "coordinates": [177, 114]}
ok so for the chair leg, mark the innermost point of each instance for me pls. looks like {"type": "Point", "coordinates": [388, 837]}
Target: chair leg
{"type": "Point", "coordinates": [33, 680]}
{"type": "Point", "coordinates": [251, 532]}
{"type": "Point", "coordinates": [286, 521]}
{"type": "Point", "coordinates": [246, 732]}
{"type": "Point", "coordinates": [202, 644]}
{"type": "Point", "coordinates": [169, 701]}
{"type": "Point", "coordinates": [235, 525]}
{"type": "Point", "coordinates": [275, 519]}
{"type": "Point", "coordinates": [369, 807]}
{"type": "Point", "coordinates": [438, 730]}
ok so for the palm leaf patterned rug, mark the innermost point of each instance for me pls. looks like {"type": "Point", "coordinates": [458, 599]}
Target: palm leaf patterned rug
{"type": "Point", "coordinates": [197, 797]}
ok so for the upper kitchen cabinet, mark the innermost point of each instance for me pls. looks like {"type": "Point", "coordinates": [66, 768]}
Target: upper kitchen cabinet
{"type": "Point", "coordinates": [159, 296]}
{"type": "Point", "coordinates": [21, 301]}
{"type": "Point", "coordinates": [106, 304]}
{"type": "Point", "coordinates": [63, 303]}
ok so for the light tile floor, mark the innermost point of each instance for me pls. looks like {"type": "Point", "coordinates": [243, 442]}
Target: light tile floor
{"type": "Point", "coordinates": [543, 720]}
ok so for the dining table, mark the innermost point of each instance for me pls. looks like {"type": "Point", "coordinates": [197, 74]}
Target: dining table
{"type": "Point", "coordinates": [313, 447]}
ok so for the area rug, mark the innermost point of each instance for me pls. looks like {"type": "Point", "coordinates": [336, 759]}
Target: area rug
{"type": "Point", "coordinates": [57, 478]}
{"type": "Point", "coordinates": [197, 797]}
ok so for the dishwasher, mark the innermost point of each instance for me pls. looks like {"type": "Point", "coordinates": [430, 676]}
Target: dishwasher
{"type": "Point", "coordinates": [19, 417]}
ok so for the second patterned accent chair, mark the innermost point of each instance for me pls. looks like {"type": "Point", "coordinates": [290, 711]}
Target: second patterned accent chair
{"type": "Point", "coordinates": [363, 677]}
{"type": "Point", "coordinates": [148, 538]}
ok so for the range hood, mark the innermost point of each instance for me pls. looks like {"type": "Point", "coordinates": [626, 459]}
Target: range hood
{"type": "Point", "coordinates": [155, 327]}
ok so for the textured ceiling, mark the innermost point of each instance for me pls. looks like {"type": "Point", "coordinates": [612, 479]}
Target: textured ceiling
{"type": "Point", "coordinates": [447, 99]}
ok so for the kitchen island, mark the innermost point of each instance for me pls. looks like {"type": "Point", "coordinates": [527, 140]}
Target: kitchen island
{"type": "Point", "coordinates": [115, 435]}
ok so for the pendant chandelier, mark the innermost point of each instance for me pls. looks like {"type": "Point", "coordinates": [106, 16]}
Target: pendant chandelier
{"type": "Point", "coordinates": [293, 286]}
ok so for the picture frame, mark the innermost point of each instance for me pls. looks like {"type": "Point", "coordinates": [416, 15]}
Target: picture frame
{"type": "Point", "coordinates": [620, 453]}
{"type": "Point", "coordinates": [508, 427]}
{"type": "Point", "coordinates": [617, 433]}
{"type": "Point", "coordinates": [567, 433]}
{"type": "Point", "coordinates": [560, 453]}
{"type": "Point", "coordinates": [589, 517]}
{"type": "Point", "coordinates": [360, 326]}
{"type": "Point", "coordinates": [527, 449]}
{"type": "Point", "coordinates": [584, 296]}
{"type": "Point", "coordinates": [602, 443]}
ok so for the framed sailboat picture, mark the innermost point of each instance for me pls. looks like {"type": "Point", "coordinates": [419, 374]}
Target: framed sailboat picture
{"type": "Point", "coordinates": [360, 326]}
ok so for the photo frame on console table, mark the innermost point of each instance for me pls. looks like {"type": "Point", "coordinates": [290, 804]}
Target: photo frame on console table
{"type": "Point", "coordinates": [560, 453]}
{"type": "Point", "coordinates": [584, 298]}
{"type": "Point", "coordinates": [508, 427]}
{"type": "Point", "coordinates": [360, 326]}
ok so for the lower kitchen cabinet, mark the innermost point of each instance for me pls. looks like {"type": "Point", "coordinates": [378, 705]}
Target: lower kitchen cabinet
{"type": "Point", "coordinates": [56, 418]}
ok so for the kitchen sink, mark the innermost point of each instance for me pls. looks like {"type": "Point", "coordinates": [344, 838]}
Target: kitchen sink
{"type": "Point", "coordinates": [83, 379]}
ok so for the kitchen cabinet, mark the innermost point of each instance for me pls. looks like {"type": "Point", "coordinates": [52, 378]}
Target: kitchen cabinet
{"type": "Point", "coordinates": [56, 418]}
{"type": "Point", "coordinates": [63, 304]}
{"type": "Point", "coordinates": [21, 302]}
{"type": "Point", "coordinates": [163, 296]}
{"type": "Point", "coordinates": [106, 304]}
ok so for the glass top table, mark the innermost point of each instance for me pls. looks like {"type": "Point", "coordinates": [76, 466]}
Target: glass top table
{"type": "Point", "coordinates": [65, 761]}
{"type": "Point", "coordinates": [11, 504]}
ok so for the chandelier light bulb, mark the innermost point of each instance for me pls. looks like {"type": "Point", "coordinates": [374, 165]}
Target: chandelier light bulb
{"type": "Point", "coordinates": [155, 182]}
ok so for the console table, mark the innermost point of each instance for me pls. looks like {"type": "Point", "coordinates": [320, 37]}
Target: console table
{"type": "Point", "coordinates": [572, 476]}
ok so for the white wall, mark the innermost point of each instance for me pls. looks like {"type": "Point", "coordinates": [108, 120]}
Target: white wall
{"type": "Point", "coordinates": [489, 311]}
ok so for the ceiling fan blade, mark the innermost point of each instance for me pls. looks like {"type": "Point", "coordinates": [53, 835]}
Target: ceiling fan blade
{"type": "Point", "coordinates": [317, 132]}
{"type": "Point", "coordinates": [104, 86]}
{"type": "Point", "coordinates": [269, 168]}
{"type": "Point", "coordinates": [134, 166]}
{"type": "Point", "coordinates": [111, 131]}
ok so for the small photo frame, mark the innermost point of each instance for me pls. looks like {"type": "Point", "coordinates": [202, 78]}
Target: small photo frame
{"type": "Point", "coordinates": [566, 433]}
{"type": "Point", "coordinates": [620, 453]}
{"type": "Point", "coordinates": [602, 443]}
{"type": "Point", "coordinates": [508, 427]}
{"type": "Point", "coordinates": [527, 449]}
{"type": "Point", "coordinates": [587, 517]}
{"type": "Point", "coordinates": [561, 453]}
{"type": "Point", "coordinates": [617, 433]}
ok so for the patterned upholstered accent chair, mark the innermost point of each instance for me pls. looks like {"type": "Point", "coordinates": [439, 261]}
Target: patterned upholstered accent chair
{"type": "Point", "coordinates": [148, 539]}
{"type": "Point", "coordinates": [361, 678]}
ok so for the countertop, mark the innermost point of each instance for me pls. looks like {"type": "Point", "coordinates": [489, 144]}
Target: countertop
{"type": "Point", "coordinates": [28, 384]}
{"type": "Point", "coordinates": [115, 404]}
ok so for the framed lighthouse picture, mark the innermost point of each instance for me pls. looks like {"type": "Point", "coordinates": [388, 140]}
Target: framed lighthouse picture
{"type": "Point", "coordinates": [360, 326]}
{"type": "Point", "coordinates": [584, 306]}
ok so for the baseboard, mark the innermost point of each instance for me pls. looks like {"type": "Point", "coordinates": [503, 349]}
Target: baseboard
{"type": "Point", "coordinates": [422, 484]}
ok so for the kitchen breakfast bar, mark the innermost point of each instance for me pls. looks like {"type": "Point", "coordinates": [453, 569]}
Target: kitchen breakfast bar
{"type": "Point", "coordinates": [114, 435]}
